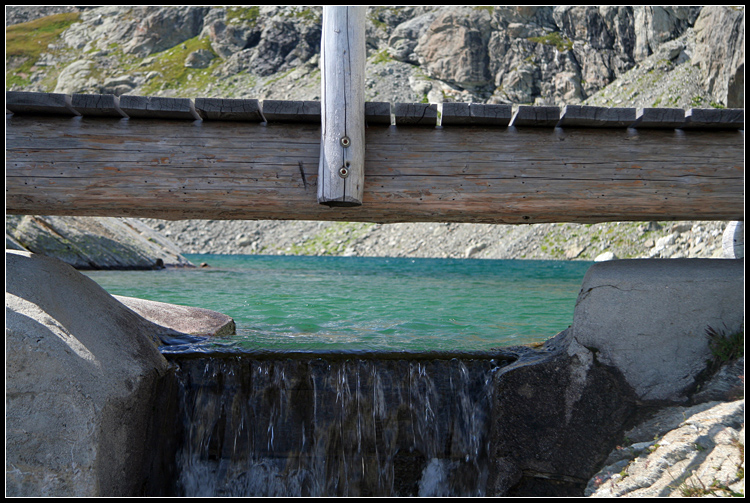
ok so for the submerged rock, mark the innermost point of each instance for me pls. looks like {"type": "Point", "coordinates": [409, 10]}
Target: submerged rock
{"type": "Point", "coordinates": [183, 319]}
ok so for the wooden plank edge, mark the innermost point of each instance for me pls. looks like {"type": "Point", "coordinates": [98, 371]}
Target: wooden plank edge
{"type": "Point", "coordinates": [158, 107]}
{"type": "Point", "coordinates": [378, 112]}
{"type": "Point", "coordinates": [536, 116]}
{"type": "Point", "coordinates": [453, 113]}
{"type": "Point", "coordinates": [31, 103]}
{"type": "Point", "coordinates": [475, 114]}
{"type": "Point", "coordinates": [590, 116]}
{"type": "Point", "coordinates": [229, 109]}
{"type": "Point", "coordinates": [98, 105]}
{"type": "Point", "coordinates": [291, 111]}
{"type": "Point", "coordinates": [416, 114]}
{"type": "Point", "coordinates": [714, 118]}
{"type": "Point", "coordinates": [658, 118]}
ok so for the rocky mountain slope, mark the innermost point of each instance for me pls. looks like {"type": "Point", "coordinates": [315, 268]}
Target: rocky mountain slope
{"type": "Point", "coordinates": [610, 56]}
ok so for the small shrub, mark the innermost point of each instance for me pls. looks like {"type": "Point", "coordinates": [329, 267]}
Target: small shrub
{"type": "Point", "coordinates": [724, 347]}
{"type": "Point", "coordinates": [561, 43]}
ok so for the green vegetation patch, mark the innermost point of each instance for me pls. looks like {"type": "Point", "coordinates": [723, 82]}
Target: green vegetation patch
{"type": "Point", "coordinates": [32, 38]}
{"type": "Point", "coordinates": [381, 56]}
{"type": "Point", "coordinates": [313, 16]}
{"type": "Point", "coordinates": [333, 240]}
{"type": "Point", "coordinates": [554, 38]}
{"type": "Point", "coordinates": [25, 42]}
{"type": "Point", "coordinates": [725, 347]}
{"type": "Point", "coordinates": [248, 15]}
{"type": "Point", "coordinates": [375, 14]}
{"type": "Point", "coordinates": [488, 8]}
{"type": "Point", "coordinates": [174, 74]}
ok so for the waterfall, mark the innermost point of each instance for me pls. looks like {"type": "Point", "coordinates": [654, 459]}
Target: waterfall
{"type": "Point", "coordinates": [334, 426]}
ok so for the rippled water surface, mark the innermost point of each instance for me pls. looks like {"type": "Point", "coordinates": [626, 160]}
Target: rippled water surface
{"type": "Point", "coordinates": [365, 303]}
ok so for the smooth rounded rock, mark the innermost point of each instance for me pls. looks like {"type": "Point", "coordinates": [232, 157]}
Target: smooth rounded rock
{"type": "Point", "coordinates": [83, 377]}
{"type": "Point", "coordinates": [648, 318]}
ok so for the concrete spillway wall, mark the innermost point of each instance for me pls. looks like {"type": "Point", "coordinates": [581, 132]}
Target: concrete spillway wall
{"type": "Point", "coordinates": [93, 408]}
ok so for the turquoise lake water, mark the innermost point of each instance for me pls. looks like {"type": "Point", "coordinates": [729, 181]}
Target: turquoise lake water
{"type": "Point", "coordinates": [298, 303]}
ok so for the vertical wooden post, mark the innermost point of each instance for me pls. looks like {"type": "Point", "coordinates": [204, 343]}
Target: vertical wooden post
{"type": "Point", "coordinates": [341, 171]}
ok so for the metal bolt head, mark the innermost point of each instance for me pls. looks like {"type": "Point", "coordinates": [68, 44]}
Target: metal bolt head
{"type": "Point", "coordinates": [343, 172]}
{"type": "Point", "coordinates": [345, 141]}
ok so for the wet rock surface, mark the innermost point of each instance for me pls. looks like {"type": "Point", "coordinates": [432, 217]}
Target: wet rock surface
{"type": "Point", "coordinates": [556, 414]}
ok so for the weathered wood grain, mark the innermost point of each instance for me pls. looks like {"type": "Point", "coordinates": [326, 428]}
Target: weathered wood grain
{"type": "Point", "coordinates": [180, 169]}
{"type": "Point", "coordinates": [661, 118]}
{"type": "Point", "coordinates": [415, 114]}
{"type": "Point", "coordinates": [291, 111]}
{"type": "Point", "coordinates": [225, 109]}
{"type": "Point", "coordinates": [155, 107]}
{"type": "Point", "coordinates": [477, 114]}
{"type": "Point", "coordinates": [341, 172]}
{"type": "Point", "coordinates": [588, 116]}
{"type": "Point", "coordinates": [536, 116]}
{"type": "Point", "coordinates": [39, 103]}
{"type": "Point", "coordinates": [97, 105]}
{"type": "Point", "coordinates": [378, 112]}
{"type": "Point", "coordinates": [714, 118]}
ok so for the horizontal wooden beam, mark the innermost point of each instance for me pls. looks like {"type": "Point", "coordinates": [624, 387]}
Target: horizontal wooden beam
{"type": "Point", "coordinates": [179, 169]}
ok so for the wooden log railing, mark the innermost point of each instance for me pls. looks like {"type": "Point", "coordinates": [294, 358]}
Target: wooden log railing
{"type": "Point", "coordinates": [341, 173]}
{"type": "Point", "coordinates": [245, 159]}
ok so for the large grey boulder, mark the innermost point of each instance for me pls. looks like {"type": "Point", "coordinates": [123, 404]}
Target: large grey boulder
{"type": "Point", "coordinates": [159, 28]}
{"type": "Point", "coordinates": [405, 36]}
{"type": "Point", "coordinates": [655, 25]}
{"type": "Point", "coordinates": [230, 39]}
{"type": "Point", "coordinates": [94, 242]}
{"type": "Point", "coordinates": [649, 317]}
{"type": "Point", "coordinates": [85, 383]}
{"type": "Point", "coordinates": [75, 77]}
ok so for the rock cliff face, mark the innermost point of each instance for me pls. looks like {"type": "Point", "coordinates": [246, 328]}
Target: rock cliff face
{"type": "Point", "coordinates": [644, 56]}
{"type": "Point", "coordinates": [551, 55]}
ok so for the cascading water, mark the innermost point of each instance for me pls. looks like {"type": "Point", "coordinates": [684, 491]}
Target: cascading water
{"type": "Point", "coordinates": [334, 426]}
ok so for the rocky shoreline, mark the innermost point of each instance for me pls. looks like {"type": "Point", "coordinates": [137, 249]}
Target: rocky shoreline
{"type": "Point", "coordinates": [447, 240]}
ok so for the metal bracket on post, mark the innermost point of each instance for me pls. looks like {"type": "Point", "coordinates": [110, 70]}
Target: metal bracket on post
{"type": "Point", "coordinates": [341, 172]}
